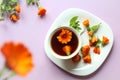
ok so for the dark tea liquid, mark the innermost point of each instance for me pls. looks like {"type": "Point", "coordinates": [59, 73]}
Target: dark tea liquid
{"type": "Point", "coordinates": [57, 46]}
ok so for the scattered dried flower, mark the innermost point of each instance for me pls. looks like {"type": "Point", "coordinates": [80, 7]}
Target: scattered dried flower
{"type": "Point", "coordinates": [17, 8]}
{"type": "Point", "coordinates": [85, 50]}
{"type": "Point", "coordinates": [105, 40]}
{"type": "Point", "coordinates": [86, 23]}
{"type": "Point", "coordinates": [9, 7]}
{"type": "Point", "coordinates": [87, 59]}
{"type": "Point", "coordinates": [96, 50]}
{"type": "Point", "coordinates": [14, 17]}
{"type": "Point", "coordinates": [76, 58]}
{"type": "Point", "coordinates": [41, 11]}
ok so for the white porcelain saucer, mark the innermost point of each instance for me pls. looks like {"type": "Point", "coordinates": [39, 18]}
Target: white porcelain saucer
{"type": "Point", "coordinates": [81, 69]}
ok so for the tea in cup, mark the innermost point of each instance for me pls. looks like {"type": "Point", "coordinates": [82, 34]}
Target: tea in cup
{"type": "Point", "coordinates": [64, 42]}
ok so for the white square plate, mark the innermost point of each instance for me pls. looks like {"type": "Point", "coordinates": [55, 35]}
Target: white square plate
{"type": "Point", "coordinates": [80, 68]}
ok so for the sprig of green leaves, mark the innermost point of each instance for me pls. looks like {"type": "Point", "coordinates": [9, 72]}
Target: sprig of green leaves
{"type": "Point", "coordinates": [74, 23]}
{"type": "Point", "coordinates": [30, 1]}
{"type": "Point", "coordinates": [7, 6]}
{"type": "Point", "coordinates": [33, 2]}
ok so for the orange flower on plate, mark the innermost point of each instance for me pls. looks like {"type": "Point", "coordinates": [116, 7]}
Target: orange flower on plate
{"type": "Point", "coordinates": [105, 40]}
{"type": "Point", "coordinates": [41, 11]}
{"type": "Point", "coordinates": [65, 36]}
{"type": "Point", "coordinates": [17, 57]}
{"type": "Point", "coordinates": [96, 50]}
{"type": "Point", "coordinates": [86, 23]}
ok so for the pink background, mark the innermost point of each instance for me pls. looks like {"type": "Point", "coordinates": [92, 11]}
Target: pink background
{"type": "Point", "coordinates": [31, 30]}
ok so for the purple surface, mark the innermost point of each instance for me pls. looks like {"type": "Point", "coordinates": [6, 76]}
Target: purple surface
{"type": "Point", "coordinates": [31, 30]}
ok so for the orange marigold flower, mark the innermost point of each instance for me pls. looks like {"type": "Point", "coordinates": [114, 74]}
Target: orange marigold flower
{"type": "Point", "coordinates": [76, 58]}
{"type": "Point", "coordinates": [85, 50]}
{"type": "Point", "coordinates": [41, 11]}
{"type": "Point", "coordinates": [87, 59]}
{"type": "Point", "coordinates": [96, 50]}
{"type": "Point", "coordinates": [65, 36]}
{"type": "Point", "coordinates": [86, 23]}
{"type": "Point", "coordinates": [93, 41]}
{"type": "Point", "coordinates": [105, 40]}
{"type": "Point", "coordinates": [67, 49]}
{"type": "Point", "coordinates": [17, 57]}
{"type": "Point", "coordinates": [14, 17]}
{"type": "Point", "coordinates": [90, 33]}
{"type": "Point", "coordinates": [17, 8]}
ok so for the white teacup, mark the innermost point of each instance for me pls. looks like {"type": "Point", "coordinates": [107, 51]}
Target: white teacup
{"type": "Point", "coordinates": [75, 52]}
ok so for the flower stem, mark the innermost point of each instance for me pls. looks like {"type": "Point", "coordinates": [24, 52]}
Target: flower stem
{"type": "Point", "coordinates": [2, 71]}
{"type": "Point", "coordinates": [37, 3]}
{"type": "Point", "coordinates": [1, 18]}
{"type": "Point", "coordinates": [10, 75]}
{"type": "Point", "coordinates": [5, 70]}
{"type": "Point", "coordinates": [5, 79]}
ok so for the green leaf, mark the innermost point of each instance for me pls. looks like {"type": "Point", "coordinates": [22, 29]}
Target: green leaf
{"type": "Point", "coordinates": [37, 3]}
{"type": "Point", "coordinates": [12, 2]}
{"type": "Point", "coordinates": [8, 9]}
{"type": "Point", "coordinates": [2, 7]}
{"type": "Point", "coordinates": [73, 20]}
{"type": "Point", "coordinates": [29, 1]}
{"type": "Point", "coordinates": [98, 43]}
{"type": "Point", "coordinates": [75, 23]}
{"type": "Point", "coordinates": [94, 28]}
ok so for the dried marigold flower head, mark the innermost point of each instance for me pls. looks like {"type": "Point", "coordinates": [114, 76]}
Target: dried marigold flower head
{"type": "Point", "coordinates": [86, 23]}
{"type": "Point", "coordinates": [41, 11]}
{"type": "Point", "coordinates": [17, 57]}
{"type": "Point", "coordinates": [67, 49]}
{"type": "Point", "coordinates": [76, 58]}
{"type": "Point", "coordinates": [96, 50]}
{"type": "Point", "coordinates": [65, 36]}
{"type": "Point", "coordinates": [90, 33]}
{"type": "Point", "coordinates": [93, 41]}
{"type": "Point", "coordinates": [105, 40]}
{"type": "Point", "coordinates": [14, 17]}
{"type": "Point", "coordinates": [87, 59]}
{"type": "Point", "coordinates": [85, 50]}
{"type": "Point", "coordinates": [17, 8]}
